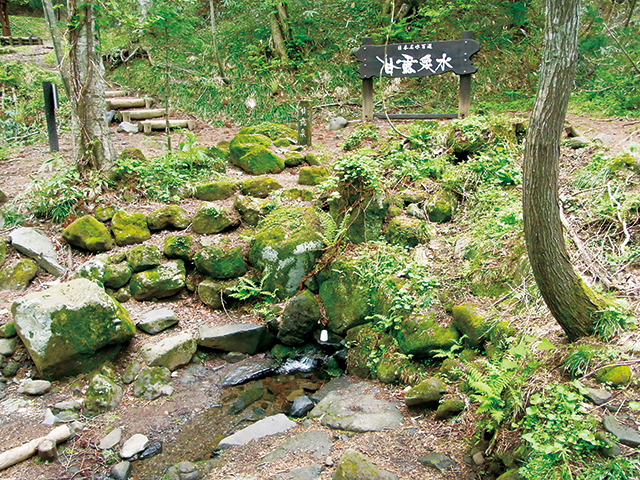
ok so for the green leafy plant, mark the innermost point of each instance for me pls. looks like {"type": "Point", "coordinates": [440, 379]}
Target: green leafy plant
{"type": "Point", "coordinates": [248, 289]}
{"type": "Point", "coordinates": [579, 360]}
{"type": "Point", "coordinates": [611, 322]}
{"type": "Point", "coordinates": [357, 136]}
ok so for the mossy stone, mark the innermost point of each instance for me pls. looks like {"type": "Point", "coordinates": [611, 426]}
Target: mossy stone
{"type": "Point", "coordinates": [179, 247]}
{"type": "Point", "coordinates": [117, 275]}
{"type": "Point", "coordinates": [271, 130]}
{"type": "Point", "coordinates": [220, 190]}
{"type": "Point", "coordinates": [368, 214]}
{"type": "Point", "coordinates": [215, 293]}
{"type": "Point", "coordinates": [134, 153]}
{"type": "Point", "coordinates": [169, 216]}
{"type": "Point", "coordinates": [89, 234]}
{"type": "Point", "coordinates": [212, 219]}
{"type": "Point", "coordinates": [282, 142]}
{"type": "Point", "coordinates": [17, 275]}
{"type": "Point", "coordinates": [355, 466]}
{"type": "Point", "coordinates": [299, 318]}
{"type": "Point", "coordinates": [251, 154]}
{"type": "Point", "coordinates": [252, 210]}
{"type": "Point", "coordinates": [313, 175]}
{"type": "Point", "coordinates": [412, 196]}
{"type": "Point", "coordinates": [3, 252]}
{"type": "Point", "coordinates": [259, 187]}
{"type": "Point", "coordinates": [616, 376]}
{"type": "Point", "coordinates": [304, 194]}
{"type": "Point", "coordinates": [428, 392]}
{"type": "Point", "coordinates": [449, 369]}
{"type": "Point", "coordinates": [468, 321]}
{"type": "Point", "coordinates": [441, 207]}
{"type": "Point", "coordinates": [313, 159]}
{"type": "Point", "coordinates": [8, 330]}
{"type": "Point", "coordinates": [160, 282]}
{"type": "Point", "coordinates": [105, 213]}
{"type": "Point", "coordinates": [390, 368]}
{"type": "Point", "coordinates": [422, 336]}
{"type": "Point", "coordinates": [407, 231]}
{"type": "Point", "coordinates": [450, 408]}
{"type": "Point", "coordinates": [130, 228]}
{"type": "Point", "coordinates": [143, 257]}
{"type": "Point", "coordinates": [220, 263]}
{"type": "Point", "coordinates": [365, 344]}
{"type": "Point", "coordinates": [152, 382]}
{"type": "Point", "coordinates": [293, 159]}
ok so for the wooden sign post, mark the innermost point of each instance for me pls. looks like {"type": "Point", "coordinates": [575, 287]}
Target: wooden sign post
{"type": "Point", "coordinates": [417, 60]}
{"type": "Point", "coordinates": [304, 123]}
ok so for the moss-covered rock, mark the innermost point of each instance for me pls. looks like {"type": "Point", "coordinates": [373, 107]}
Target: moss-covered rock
{"type": "Point", "coordinates": [355, 466]}
{"type": "Point", "coordinates": [271, 130]}
{"type": "Point", "coordinates": [299, 318]}
{"type": "Point", "coordinates": [213, 219]}
{"type": "Point", "coordinates": [468, 321]}
{"type": "Point", "coordinates": [293, 159]}
{"type": "Point", "coordinates": [117, 275]}
{"type": "Point", "coordinates": [3, 252]}
{"type": "Point", "coordinates": [251, 154]}
{"type": "Point", "coordinates": [8, 330]}
{"type": "Point", "coordinates": [441, 207]}
{"type": "Point", "coordinates": [160, 282]}
{"type": "Point", "coordinates": [450, 408]}
{"type": "Point", "coordinates": [105, 213]}
{"type": "Point", "coordinates": [89, 234]}
{"type": "Point", "coordinates": [367, 214]}
{"type": "Point", "coordinates": [313, 175]}
{"type": "Point", "coordinates": [71, 328]}
{"type": "Point", "coordinates": [615, 376]}
{"type": "Point", "coordinates": [152, 383]}
{"type": "Point", "coordinates": [366, 346]}
{"type": "Point", "coordinates": [216, 293]}
{"type": "Point", "coordinates": [219, 190]}
{"type": "Point", "coordinates": [134, 153]}
{"type": "Point", "coordinates": [102, 395]}
{"type": "Point", "coordinates": [407, 231]}
{"type": "Point", "coordinates": [285, 247]}
{"type": "Point", "coordinates": [179, 247]}
{"type": "Point", "coordinates": [169, 216]}
{"type": "Point", "coordinates": [220, 263]}
{"type": "Point", "coordinates": [422, 336]}
{"type": "Point", "coordinates": [252, 210]}
{"type": "Point", "coordinates": [282, 142]}
{"type": "Point", "coordinates": [304, 194]}
{"type": "Point", "coordinates": [428, 393]}
{"type": "Point", "coordinates": [259, 187]}
{"type": "Point", "coordinates": [129, 228]}
{"type": "Point", "coordinates": [143, 257]}
{"type": "Point", "coordinates": [17, 275]}
{"type": "Point", "coordinates": [170, 352]}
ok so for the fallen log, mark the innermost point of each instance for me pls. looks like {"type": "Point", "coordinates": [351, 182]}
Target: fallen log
{"type": "Point", "coordinates": [23, 452]}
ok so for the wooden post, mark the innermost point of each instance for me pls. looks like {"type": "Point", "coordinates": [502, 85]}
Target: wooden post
{"type": "Point", "coordinates": [304, 123]}
{"type": "Point", "coordinates": [50, 104]}
{"type": "Point", "coordinates": [4, 18]}
{"type": "Point", "coordinates": [464, 103]}
{"type": "Point", "coordinates": [367, 91]}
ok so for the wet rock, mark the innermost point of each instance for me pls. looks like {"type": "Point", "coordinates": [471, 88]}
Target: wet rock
{"type": "Point", "coordinates": [250, 369]}
{"type": "Point", "coordinates": [221, 263]}
{"type": "Point", "coordinates": [354, 410]}
{"type": "Point", "coordinates": [301, 406]}
{"type": "Point", "coordinates": [355, 466]}
{"type": "Point", "coordinates": [220, 190]}
{"type": "Point", "coordinates": [244, 338]}
{"type": "Point", "coordinates": [17, 275]}
{"type": "Point", "coordinates": [313, 175]}
{"type": "Point", "coordinates": [121, 470]}
{"type": "Point", "coordinates": [135, 444]}
{"type": "Point", "coordinates": [89, 234]}
{"type": "Point", "coordinates": [250, 153]}
{"type": "Point", "coordinates": [450, 408]}
{"type": "Point", "coordinates": [171, 352]}
{"type": "Point", "coordinates": [337, 123]}
{"type": "Point", "coordinates": [169, 216]}
{"type": "Point", "coordinates": [151, 450]}
{"type": "Point", "coordinates": [129, 228]}
{"type": "Point", "coordinates": [314, 442]}
{"type": "Point", "coordinates": [299, 318]}
{"type": "Point", "coordinates": [160, 282]}
{"type": "Point", "coordinates": [421, 335]}
{"type": "Point", "coordinates": [7, 346]}
{"type": "Point", "coordinates": [103, 394]}
{"type": "Point", "coordinates": [143, 257]}
{"type": "Point", "coordinates": [111, 439]}
{"type": "Point", "coordinates": [625, 434]}
{"type": "Point", "coordinates": [213, 219]}
{"type": "Point", "coordinates": [263, 428]}
{"type": "Point", "coordinates": [157, 320]}
{"type": "Point", "coordinates": [597, 396]}
{"type": "Point", "coordinates": [245, 399]}
{"type": "Point", "coordinates": [436, 460]}
{"type": "Point", "coordinates": [71, 328]}
{"type": "Point", "coordinates": [260, 187]}
{"type": "Point", "coordinates": [428, 392]}
{"type": "Point", "coordinates": [216, 293]}
{"type": "Point", "coordinates": [36, 245]}
{"type": "Point", "coordinates": [179, 247]}
{"type": "Point", "coordinates": [34, 387]}
{"type": "Point", "coordinates": [153, 382]}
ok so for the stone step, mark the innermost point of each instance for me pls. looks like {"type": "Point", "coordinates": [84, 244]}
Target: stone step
{"type": "Point", "coordinates": [128, 115]}
{"type": "Point", "coordinates": [115, 93]}
{"type": "Point", "coordinates": [150, 125]}
{"type": "Point", "coordinates": [120, 103]}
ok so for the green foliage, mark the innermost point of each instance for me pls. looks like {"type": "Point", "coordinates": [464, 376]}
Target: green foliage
{"type": "Point", "coordinates": [249, 289]}
{"type": "Point", "coordinates": [612, 322]}
{"type": "Point", "coordinates": [355, 138]}
{"type": "Point", "coordinates": [355, 172]}
{"type": "Point", "coordinates": [579, 360]}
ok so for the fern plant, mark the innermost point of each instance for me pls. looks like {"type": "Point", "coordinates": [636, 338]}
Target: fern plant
{"type": "Point", "coordinates": [248, 288]}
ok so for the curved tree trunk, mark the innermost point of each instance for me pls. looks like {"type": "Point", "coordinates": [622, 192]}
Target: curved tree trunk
{"type": "Point", "coordinates": [571, 302]}
{"type": "Point", "coordinates": [276, 35]}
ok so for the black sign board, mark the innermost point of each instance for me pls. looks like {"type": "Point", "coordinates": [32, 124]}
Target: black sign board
{"type": "Point", "coordinates": [417, 59]}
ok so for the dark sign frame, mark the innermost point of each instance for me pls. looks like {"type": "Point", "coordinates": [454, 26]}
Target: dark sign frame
{"type": "Point", "coordinates": [418, 60]}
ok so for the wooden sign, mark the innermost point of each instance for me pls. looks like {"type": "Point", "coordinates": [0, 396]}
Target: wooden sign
{"type": "Point", "coordinates": [417, 59]}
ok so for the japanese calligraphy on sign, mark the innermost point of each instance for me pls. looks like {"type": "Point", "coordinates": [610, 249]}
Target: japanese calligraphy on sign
{"type": "Point", "coordinates": [417, 59]}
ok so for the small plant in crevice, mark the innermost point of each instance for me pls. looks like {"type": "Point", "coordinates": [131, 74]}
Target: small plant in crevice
{"type": "Point", "coordinates": [248, 288]}
{"type": "Point", "coordinates": [611, 322]}
{"type": "Point", "coordinates": [579, 360]}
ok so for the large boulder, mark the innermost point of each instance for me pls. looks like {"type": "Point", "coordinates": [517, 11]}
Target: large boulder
{"type": "Point", "coordinates": [71, 328]}
{"type": "Point", "coordinates": [468, 321]}
{"type": "Point", "coordinates": [89, 234]}
{"type": "Point", "coordinates": [221, 263]}
{"type": "Point", "coordinates": [259, 187]}
{"type": "Point", "coordinates": [143, 257]}
{"type": "Point", "coordinates": [130, 228]}
{"type": "Point", "coordinates": [422, 336]}
{"type": "Point", "coordinates": [220, 190]}
{"type": "Point", "coordinates": [245, 338]}
{"type": "Point", "coordinates": [251, 153]}
{"type": "Point", "coordinates": [160, 282]}
{"type": "Point", "coordinates": [366, 217]}
{"type": "Point", "coordinates": [285, 247]}
{"type": "Point", "coordinates": [299, 318]}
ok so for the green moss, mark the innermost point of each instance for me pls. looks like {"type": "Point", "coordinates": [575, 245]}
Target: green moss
{"type": "Point", "coordinates": [3, 252]}
{"type": "Point", "coordinates": [17, 275]}
{"type": "Point", "coordinates": [169, 216]}
{"type": "Point", "coordinates": [272, 130]}
{"type": "Point", "coordinates": [422, 336]}
{"type": "Point", "coordinates": [441, 207]}
{"type": "Point", "coordinates": [259, 187]}
{"type": "Point", "coordinates": [616, 376]}
{"type": "Point", "coordinates": [468, 321]}
{"type": "Point", "coordinates": [293, 159]}
{"type": "Point", "coordinates": [117, 276]}
{"type": "Point", "coordinates": [211, 219]}
{"type": "Point", "coordinates": [178, 246]}
{"type": "Point", "coordinates": [407, 231]}
{"type": "Point", "coordinates": [143, 257]}
{"type": "Point", "coordinates": [160, 282]}
{"type": "Point", "coordinates": [89, 234]}
{"type": "Point", "coordinates": [134, 153]}
{"type": "Point", "coordinates": [313, 175]}
{"type": "Point", "coordinates": [130, 228]}
{"type": "Point", "coordinates": [220, 190]}
{"type": "Point", "coordinates": [105, 213]}
{"type": "Point", "coordinates": [221, 263]}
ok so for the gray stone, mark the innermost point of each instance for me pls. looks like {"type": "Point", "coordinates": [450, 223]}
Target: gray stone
{"type": "Point", "coordinates": [263, 428]}
{"type": "Point", "coordinates": [151, 451]}
{"type": "Point", "coordinates": [34, 244]}
{"type": "Point", "coordinates": [160, 282]}
{"type": "Point", "coordinates": [7, 346]}
{"type": "Point", "coordinates": [578, 142]}
{"type": "Point", "coordinates": [301, 406]}
{"type": "Point", "coordinates": [93, 270]}
{"type": "Point", "coordinates": [111, 439]}
{"type": "Point", "coordinates": [597, 396]}
{"type": "Point", "coordinates": [354, 410]}
{"type": "Point", "coordinates": [246, 398]}
{"type": "Point", "coordinates": [35, 387]}
{"type": "Point", "coordinates": [152, 383]}
{"type": "Point", "coordinates": [157, 320]}
{"type": "Point", "coordinates": [244, 338]}
{"type": "Point", "coordinates": [68, 405]}
{"type": "Point", "coordinates": [250, 369]}
{"type": "Point", "coordinates": [314, 442]}
{"type": "Point", "coordinates": [355, 466]}
{"type": "Point", "coordinates": [604, 139]}
{"type": "Point", "coordinates": [71, 328]}
{"type": "Point", "coordinates": [120, 471]}
{"type": "Point", "coordinates": [311, 472]}
{"type": "Point", "coordinates": [625, 434]}
{"type": "Point", "coordinates": [128, 127]}
{"type": "Point", "coordinates": [117, 275]}
{"type": "Point", "coordinates": [337, 123]}
{"type": "Point", "coordinates": [103, 394]}
{"type": "Point", "coordinates": [427, 392]}
{"type": "Point", "coordinates": [136, 444]}
{"type": "Point", "coordinates": [130, 373]}
{"type": "Point", "coordinates": [66, 417]}
{"type": "Point", "coordinates": [299, 318]}
{"type": "Point", "coordinates": [171, 352]}
{"type": "Point", "coordinates": [436, 460]}
{"type": "Point", "coordinates": [49, 417]}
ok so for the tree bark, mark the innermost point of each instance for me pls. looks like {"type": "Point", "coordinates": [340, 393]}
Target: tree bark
{"type": "Point", "coordinates": [278, 40]}
{"type": "Point", "coordinates": [50, 16]}
{"type": "Point", "coordinates": [93, 148]}
{"type": "Point", "coordinates": [572, 303]}
{"type": "Point", "coordinates": [214, 33]}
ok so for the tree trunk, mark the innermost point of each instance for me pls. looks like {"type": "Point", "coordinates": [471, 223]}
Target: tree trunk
{"type": "Point", "coordinates": [50, 16]}
{"type": "Point", "coordinates": [569, 299]}
{"type": "Point", "coordinates": [278, 40]}
{"type": "Point", "coordinates": [214, 33]}
{"type": "Point", "coordinates": [93, 148]}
